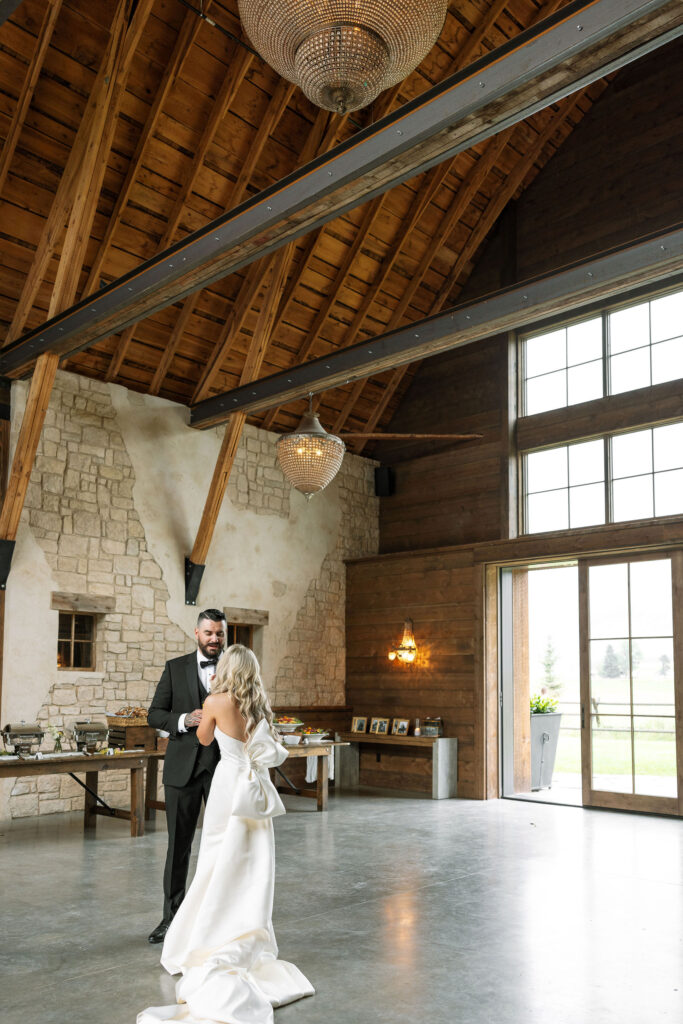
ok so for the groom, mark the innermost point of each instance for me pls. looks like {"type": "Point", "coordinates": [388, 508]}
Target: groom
{"type": "Point", "coordinates": [188, 766]}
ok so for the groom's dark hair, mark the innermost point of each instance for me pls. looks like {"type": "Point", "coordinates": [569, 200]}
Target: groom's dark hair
{"type": "Point", "coordinates": [211, 613]}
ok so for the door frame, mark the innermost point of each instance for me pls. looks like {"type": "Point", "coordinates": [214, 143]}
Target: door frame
{"type": "Point", "coordinates": [631, 801]}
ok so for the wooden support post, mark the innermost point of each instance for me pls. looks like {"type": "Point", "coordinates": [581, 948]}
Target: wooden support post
{"type": "Point", "coordinates": [322, 785]}
{"type": "Point", "coordinates": [4, 462]}
{"type": "Point", "coordinates": [90, 806]}
{"type": "Point", "coordinates": [27, 444]}
{"type": "Point", "coordinates": [233, 430]}
{"type": "Point", "coordinates": [137, 801]}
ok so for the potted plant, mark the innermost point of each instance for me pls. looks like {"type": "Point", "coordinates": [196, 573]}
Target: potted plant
{"type": "Point", "coordinates": [545, 732]}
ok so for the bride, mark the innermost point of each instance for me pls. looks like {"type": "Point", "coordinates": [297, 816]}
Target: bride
{"type": "Point", "coordinates": [222, 940]}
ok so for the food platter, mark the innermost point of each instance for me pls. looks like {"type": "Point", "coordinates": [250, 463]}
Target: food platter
{"type": "Point", "coordinates": [287, 723]}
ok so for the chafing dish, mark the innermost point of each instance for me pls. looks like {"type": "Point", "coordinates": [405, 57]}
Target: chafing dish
{"type": "Point", "coordinates": [88, 736]}
{"type": "Point", "coordinates": [22, 739]}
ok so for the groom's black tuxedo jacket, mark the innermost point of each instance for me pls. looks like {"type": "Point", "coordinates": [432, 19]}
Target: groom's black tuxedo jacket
{"type": "Point", "coordinates": [179, 692]}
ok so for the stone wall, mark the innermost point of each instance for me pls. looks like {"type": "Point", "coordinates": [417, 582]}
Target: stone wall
{"type": "Point", "coordinates": [116, 493]}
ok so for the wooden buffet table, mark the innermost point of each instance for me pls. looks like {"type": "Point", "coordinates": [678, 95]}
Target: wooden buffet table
{"type": "Point", "coordinates": [134, 761]}
{"type": "Point", "coordinates": [143, 766]}
{"type": "Point", "coordinates": [321, 751]}
{"type": "Point", "coordinates": [444, 750]}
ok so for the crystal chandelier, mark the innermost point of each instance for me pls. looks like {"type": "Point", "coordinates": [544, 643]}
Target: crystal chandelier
{"type": "Point", "coordinates": [310, 458]}
{"type": "Point", "coordinates": [343, 53]}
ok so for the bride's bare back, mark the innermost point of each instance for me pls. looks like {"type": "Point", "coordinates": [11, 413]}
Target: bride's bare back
{"type": "Point", "coordinates": [222, 711]}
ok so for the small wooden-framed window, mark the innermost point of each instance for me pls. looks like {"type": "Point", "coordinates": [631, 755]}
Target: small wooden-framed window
{"type": "Point", "coordinates": [76, 641]}
{"type": "Point", "coordinates": [239, 633]}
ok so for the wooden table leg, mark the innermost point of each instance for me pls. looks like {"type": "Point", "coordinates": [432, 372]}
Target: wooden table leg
{"type": "Point", "coordinates": [151, 785]}
{"type": "Point", "coordinates": [137, 801]}
{"type": "Point", "coordinates": [322, 784]}
{"type": "Point", "coordinates": [89, 816]}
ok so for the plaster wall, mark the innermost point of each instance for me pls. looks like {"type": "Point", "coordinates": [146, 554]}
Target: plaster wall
{"type": "Point", "coordinates": [115, 498]}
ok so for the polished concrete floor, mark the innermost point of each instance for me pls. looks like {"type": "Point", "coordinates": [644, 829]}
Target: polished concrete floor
{"type": "Point", "coordinates": [398, 909]}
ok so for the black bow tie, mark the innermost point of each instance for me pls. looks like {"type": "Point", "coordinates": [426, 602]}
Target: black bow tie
{"type": "Point", "coordinates": [211, 661]}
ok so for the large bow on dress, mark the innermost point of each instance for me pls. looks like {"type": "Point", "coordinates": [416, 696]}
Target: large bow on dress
{"type": "Point", "coordinates": [255, 796]}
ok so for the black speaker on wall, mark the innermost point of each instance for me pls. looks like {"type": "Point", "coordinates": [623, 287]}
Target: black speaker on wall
{"type": "Point", "coordinates": [385, 481]}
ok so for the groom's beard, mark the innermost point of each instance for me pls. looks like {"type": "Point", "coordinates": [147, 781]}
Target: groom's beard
{"type": "Point", "coordinates": [210, 651]}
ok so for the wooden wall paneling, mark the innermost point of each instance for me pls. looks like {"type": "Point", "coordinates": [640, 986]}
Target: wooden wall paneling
{"type": "Point", "coordinates": [438, 590]}
{"type": "Point", "coordinates": [27, 89]}
{"type": "Point", "coordinates": [81, 156]}
{"type": "Point", "coordinates": [27, 444]}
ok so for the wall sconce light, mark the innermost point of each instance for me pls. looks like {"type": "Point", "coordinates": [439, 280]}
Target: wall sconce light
{"type": "Point", "coordinates": [407, 649]}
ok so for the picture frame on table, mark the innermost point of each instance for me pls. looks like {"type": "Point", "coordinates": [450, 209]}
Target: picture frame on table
{"type": "Point", "coordinates": [379, 726]}
{"type": "Point", "coordinates": [400, 726]}
{"type": "Point", "coordinates": [359, 723]}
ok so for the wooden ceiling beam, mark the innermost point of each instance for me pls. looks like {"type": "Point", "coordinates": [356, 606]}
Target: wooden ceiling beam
{"type": "Point", "coordinates": [28, 88]}
{"type": "Point", "coordinates": [127, 36]}
{"type": "Point", "coordinates": [573, 288]}
{"type": "Point", "coordinates": [488, 218]}
{"type": "Point", "coordinates": [237, 71]}
{"type": "Point", "coordinates": [183, 44]}
{"type": "Point", "coordinates": [428, 189]}
{"type": "Point", "coordinates": [254, 278]}
{"type": "Point", "coordinates": [525, 75]}
{"type": "Point", "coordinates": [70, 188]}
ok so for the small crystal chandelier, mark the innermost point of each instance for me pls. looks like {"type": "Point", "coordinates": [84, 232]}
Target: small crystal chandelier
{"type": "Point", "coordinates": [407, 649]}
{"type": "Point", "coordinates": [310, 458]}
{"type": "Point", "coordinates": [343, 53]}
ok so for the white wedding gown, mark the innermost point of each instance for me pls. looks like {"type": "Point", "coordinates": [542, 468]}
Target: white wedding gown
{"type": "Point", "coordinates": [222, 940]}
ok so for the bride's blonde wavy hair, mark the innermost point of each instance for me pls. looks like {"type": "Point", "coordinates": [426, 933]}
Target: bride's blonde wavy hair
{"type": "Point", "coordinates": [239, 674]}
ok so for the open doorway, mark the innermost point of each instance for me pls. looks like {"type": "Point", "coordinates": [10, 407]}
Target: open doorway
{"type": "Point", "coordinates": [541, 668]}
{"type": "Point", "coordinates": [591, 682]}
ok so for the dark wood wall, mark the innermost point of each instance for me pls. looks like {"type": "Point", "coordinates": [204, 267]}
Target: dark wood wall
{"type": "Point", "coordinates": [437, 590]}
{"type": "Point", "coordinates": [617, 178]}
{"type": "Point", "coordinates": [452, 495]}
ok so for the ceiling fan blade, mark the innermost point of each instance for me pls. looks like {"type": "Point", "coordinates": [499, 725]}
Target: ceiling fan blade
{"type": "Point", "coordinates": [410, 437]}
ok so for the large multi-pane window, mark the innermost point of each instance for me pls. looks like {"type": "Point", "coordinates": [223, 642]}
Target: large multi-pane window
{"type": "Point", "coordinates": [634, 475]}
{"type": "Point", "coordinates": [618, 350]}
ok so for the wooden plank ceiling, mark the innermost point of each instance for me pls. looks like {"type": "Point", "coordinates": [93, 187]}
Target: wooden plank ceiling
{"type": "Point", "coordinates": [178, 123]}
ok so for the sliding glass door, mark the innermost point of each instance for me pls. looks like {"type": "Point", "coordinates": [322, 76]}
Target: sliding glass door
{"type": "Point", "coordinates": [630, 625]}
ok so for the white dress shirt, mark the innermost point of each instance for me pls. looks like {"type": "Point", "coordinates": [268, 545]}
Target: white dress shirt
{"type": "Point", "coordinates": [206, 675]}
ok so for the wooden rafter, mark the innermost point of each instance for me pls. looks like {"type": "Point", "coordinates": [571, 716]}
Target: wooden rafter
{"type": "Point", "coordinates": [240, 309]}
{"type": "Point", "coordinates": [172, 70]}
{"type": "Point", "coordinates": [81, 157]}
{"type": "Point", "coordinates": [531, 72]}
{"type": "Point", "coordinates": [28, 88]}
{"type": "Point", "coordinates": [231, 84]}
{"type": "Point", "coordinates": [430, 186]}
{"type": "Point", "coordinates": [486, 221]}
{"type": "Point", "coordinates": [126, 35]}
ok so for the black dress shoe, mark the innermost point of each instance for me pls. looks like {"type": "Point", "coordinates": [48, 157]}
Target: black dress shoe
{"type": "Point", "coordinates": [159, 932]}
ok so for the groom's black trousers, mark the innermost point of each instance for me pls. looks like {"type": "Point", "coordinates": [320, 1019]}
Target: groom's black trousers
{"type": "Point", "coordinates": [183, 804]}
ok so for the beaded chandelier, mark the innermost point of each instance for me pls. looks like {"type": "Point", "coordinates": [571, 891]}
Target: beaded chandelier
{"type": "Point", "coordinates": [310, 458]}
{"type": "Point", "coordinates": [343, 53]}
